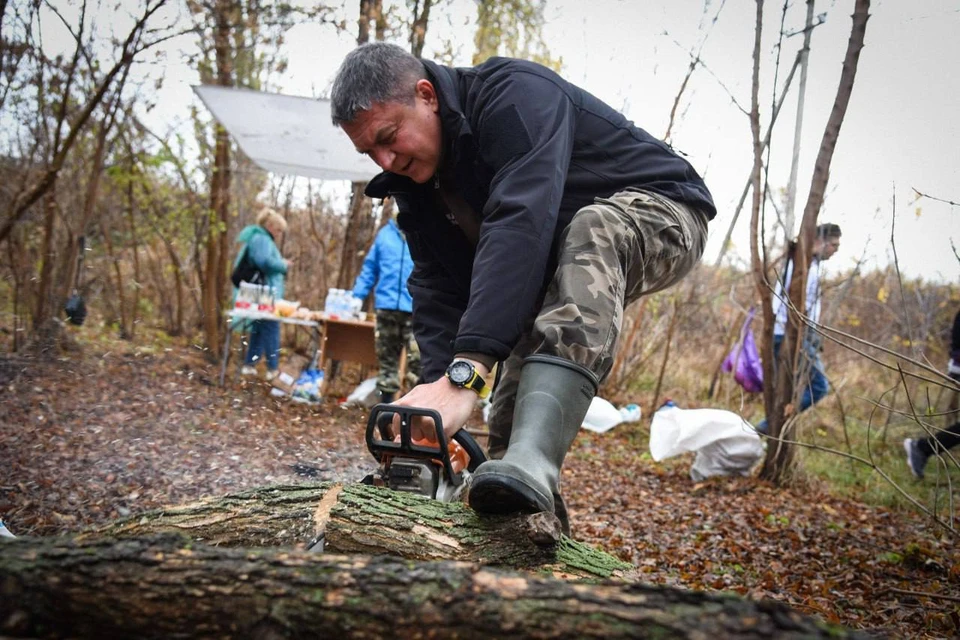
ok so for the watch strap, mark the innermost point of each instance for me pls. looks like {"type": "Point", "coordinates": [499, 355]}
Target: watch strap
{"type": "Point", "coordinates": [476, 382]}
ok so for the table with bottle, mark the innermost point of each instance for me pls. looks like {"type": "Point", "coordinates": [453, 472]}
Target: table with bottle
{"type": "Point", "coordinates": [341, 332]}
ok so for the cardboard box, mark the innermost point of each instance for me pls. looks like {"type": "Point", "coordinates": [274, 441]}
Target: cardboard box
{"type": "Point", "coordinates": [290, 369]}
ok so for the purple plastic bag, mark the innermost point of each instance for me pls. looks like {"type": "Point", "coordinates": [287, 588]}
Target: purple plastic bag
{"type": "Point", "coordinates": [744, 359]}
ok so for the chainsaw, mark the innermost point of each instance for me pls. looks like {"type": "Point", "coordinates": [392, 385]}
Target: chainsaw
{"type": "Point", "coordinates": [439, 469]}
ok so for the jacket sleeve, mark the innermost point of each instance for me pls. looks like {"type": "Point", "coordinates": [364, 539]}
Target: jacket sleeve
{"type": "Point", "coordinates": [438, 305]}
{"type": "Point", "coordinates": [369, 272]}
{"type": "Point", "coordinates": [264, 254]}
{"type": "Point", "coordinates": [527, 144]}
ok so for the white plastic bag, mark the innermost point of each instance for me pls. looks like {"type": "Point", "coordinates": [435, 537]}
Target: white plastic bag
{"type": "Point", "coordinates": [365, 395]}
{"type": "Point", "coordinates": [601, 416]}
{"type": "Point", "coordinates": [725, 443]}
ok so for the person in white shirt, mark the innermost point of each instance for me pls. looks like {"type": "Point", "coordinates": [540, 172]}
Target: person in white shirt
{"type": "Point", "coordinates": [810, 375]}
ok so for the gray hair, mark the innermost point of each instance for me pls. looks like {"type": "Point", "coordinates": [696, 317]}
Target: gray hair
{"type": "Point", "coordinates": [377, 72]}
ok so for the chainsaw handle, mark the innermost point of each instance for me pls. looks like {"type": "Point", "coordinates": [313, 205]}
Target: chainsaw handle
{"type": "Point", "coordinates": [381, 447]}
{"type": "Point", "coordinates": [477, 456]}
{"type": "Point", "coordinates": [382, 415]}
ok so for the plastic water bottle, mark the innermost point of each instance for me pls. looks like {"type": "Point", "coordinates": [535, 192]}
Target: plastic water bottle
{"type": "Point", "coordinates": [330, 304]}
{"type": "Point", "coordinates": [341, 305]}
{"type": "Point", "coordinates": [356, 304]}
{"type": "Point", "coordinates": [630, 413]}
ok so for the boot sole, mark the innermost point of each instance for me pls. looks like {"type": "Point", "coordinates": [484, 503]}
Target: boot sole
{"type": "Point", "coordinates": [501, 494]}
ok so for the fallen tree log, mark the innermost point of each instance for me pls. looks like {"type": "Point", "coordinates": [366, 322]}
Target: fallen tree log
{"type": "Point", "coordinates": [169, 586]}
{"type": "Point", "coordinates": [356, 518]}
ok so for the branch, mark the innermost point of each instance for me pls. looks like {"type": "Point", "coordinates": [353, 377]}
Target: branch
{"type": "Point", "coordinates": [924, 195]}
{"type": "Point", "coordinates": [27, 199]}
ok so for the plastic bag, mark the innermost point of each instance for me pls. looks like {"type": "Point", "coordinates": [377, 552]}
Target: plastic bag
{"type": "Point", "coordinates": [601, 416]}
{"type": "Point", "coordinates": [744, 359]}
{"type": "Point", "coordinates": [307, 387]}
{"type": "Point", "coordinates": [725, 443]}
{"type": "Point", "coordinates": [365, 395]}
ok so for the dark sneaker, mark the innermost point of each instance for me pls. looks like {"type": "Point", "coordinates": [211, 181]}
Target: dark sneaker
{"type": "Point", "coordinates": [916, 459]}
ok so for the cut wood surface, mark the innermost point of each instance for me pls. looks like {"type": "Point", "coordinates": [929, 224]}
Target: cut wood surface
{"type": "Point", "coordinates": [169, 586]}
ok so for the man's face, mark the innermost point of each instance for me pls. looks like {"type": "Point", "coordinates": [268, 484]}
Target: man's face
{"type": "Point", "coordinates": [401, 138]}
{"type": "Point", "coordinates": [826, 247]}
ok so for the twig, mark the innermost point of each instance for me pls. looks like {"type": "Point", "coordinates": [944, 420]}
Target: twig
{"type": "Point", "coordinates": [896, 265]}
{"type": "Point", "coordinates": [924, 195]}
{"type": "Point", "coordinates": [923, 594]}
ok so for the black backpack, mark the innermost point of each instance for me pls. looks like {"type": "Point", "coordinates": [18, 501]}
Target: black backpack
{"type": "Point", "coordinates": [76, 308]}
{"type": "Point", "coordinates": [247, 271]}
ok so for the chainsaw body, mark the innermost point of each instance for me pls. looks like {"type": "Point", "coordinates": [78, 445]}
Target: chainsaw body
{"type": "Point", "coordinates": [440, 470]}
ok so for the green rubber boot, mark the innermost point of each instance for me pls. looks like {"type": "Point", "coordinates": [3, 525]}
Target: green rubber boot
{"type": "Point", "coordinates": [552, 399]}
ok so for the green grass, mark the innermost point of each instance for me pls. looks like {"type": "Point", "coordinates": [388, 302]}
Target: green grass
{"type": "Point", "coordinates": [875, 486]}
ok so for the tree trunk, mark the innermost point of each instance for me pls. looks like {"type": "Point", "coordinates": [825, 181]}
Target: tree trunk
{"type": "Point", "coordinates": [167, 585]}
{"type": "Point", "coordinates": [418, 27]}
{"type": "Point", "coordinates": [758, 263]}
{"type": "Point", "coordinates": [361, 519]}
{"type": "Point", "coordinates": [135, 248]}
{"type": "Point", "coordinates": [789, 205]}
{"type": "Point", "coordinates": [214, 280]}
{"type": "Point", "coordinates": [357, 237]}
{"type": "Point", "coordinates": [777, 465]}
{"type": "Point", "coordinates": [119, 295]}
{"type": "Point", "coordinates": [42, 311]}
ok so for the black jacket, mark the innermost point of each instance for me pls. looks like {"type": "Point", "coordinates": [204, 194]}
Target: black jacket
{"type": "Point", "coordinates": [526, 150]}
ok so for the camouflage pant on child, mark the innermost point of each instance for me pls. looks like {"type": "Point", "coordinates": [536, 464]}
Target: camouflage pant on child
{"type": "Point", "coordinates": [393, 333]}
{"type": "Point", "coordinates": [614, 251]}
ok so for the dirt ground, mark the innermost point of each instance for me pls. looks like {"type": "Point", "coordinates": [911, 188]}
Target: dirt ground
{"type": "Point", "coordinates": [91, 437]}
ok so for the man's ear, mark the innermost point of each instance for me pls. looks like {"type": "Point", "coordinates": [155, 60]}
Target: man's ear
{"type": "Point", "coordinates": [426, 92]}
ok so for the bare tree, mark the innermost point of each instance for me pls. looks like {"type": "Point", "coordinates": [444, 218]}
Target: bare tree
{"type": "Point", "coordinates": [778, 465]}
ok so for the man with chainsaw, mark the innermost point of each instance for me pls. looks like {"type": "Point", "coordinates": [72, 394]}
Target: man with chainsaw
{"type": "Point", "coordinates": [534, 214]}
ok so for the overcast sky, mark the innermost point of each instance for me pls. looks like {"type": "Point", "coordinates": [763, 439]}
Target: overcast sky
{"type": "Point", "coordinates": [900, 132]}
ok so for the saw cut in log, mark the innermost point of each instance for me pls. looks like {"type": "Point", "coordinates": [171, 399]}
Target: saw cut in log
{"type": "Point", "coordinates": [169, 586]}
{"type": "Point", "coordinates": [357, 518]}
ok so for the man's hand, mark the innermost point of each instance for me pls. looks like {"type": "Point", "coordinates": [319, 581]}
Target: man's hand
{"type": "Point", "coordinates": [453, 403]}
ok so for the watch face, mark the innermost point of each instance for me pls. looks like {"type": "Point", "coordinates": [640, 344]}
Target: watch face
{"type": "Point", "coordinates": [461, 372]}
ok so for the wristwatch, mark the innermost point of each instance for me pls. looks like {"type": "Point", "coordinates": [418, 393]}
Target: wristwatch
{"type": "Point", "coordinates": [463, 374]}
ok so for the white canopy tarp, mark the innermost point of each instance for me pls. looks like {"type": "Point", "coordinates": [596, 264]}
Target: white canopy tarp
{"type": "Point", "coordinates": [287, 134]}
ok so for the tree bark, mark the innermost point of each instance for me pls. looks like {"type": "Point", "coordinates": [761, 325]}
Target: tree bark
{"type": "Point", "coordinates": [361, 519]}
{"type": "Point", "coordinates": [169, 585]}
{"type": "Point", "coordinates": [215, 276]}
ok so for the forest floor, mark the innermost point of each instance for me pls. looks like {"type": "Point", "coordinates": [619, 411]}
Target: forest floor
{"type": "Point", "coordinates": [118, 429]}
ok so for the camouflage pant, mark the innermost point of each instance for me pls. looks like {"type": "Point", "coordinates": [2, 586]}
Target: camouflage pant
{"type": "Point", "coordinates": [393, 333]}
{"type": "Point", "coordinates": [612, 252]}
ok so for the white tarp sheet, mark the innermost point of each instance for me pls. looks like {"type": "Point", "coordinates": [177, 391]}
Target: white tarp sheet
{"type": "Point", "coordinates": [287, 134]}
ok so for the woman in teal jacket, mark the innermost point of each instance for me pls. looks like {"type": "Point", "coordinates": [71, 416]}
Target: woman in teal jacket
{"type": "Point", "coordinates": [260, 243]}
